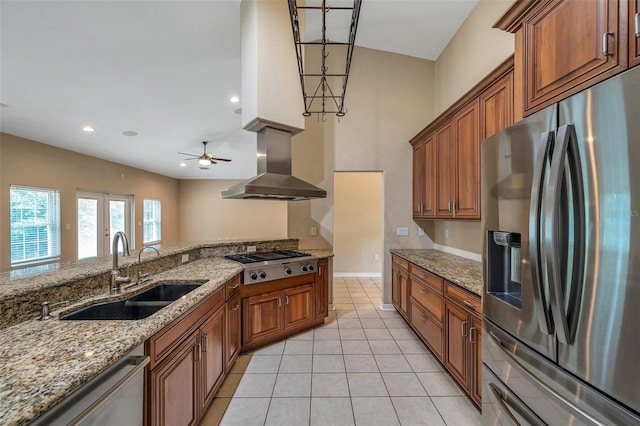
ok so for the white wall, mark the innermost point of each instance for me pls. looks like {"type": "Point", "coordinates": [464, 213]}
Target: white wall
{"type": "Point", "coordinates": [357, 243]}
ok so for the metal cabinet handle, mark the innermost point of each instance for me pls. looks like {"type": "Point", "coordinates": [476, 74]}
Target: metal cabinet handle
{"type": "Point", "coordinates": [469, 304]}
{"type": "Point", "coordinates": [472, 335]}
{"type": "Point", "coordinates": [463, 328]}
{"type": "Point", "coordinates": [235, 307]}
{"type": "Point", "coordinates": [423, 318]}
{"type": "Point", "coordinates": [235, 286]}
{"type": "Point", "coordinates": [319, 270]}
{"type": "Point", "coordinates": [279, 302]}
{"type": "Point", "coordinates": [605, 44]}
{"type": "Point", "coordinates": [637, 22]}
{"type": "Point", "coordinates": [449, 208]}
{"type": "Point", "coordinates": [286, 300]}
{"type": "Point", "coordinates": [198, 351]}
{"type": "Point", "coordinates": [423, 291]}
{"type": "Point", "coordinates": [205, 342]}
{"type": "Point", "coordinates": [455, 207]}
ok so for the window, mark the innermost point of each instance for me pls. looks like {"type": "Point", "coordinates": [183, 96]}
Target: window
{"type": "Point", "coordinates": [35, 225]}
{"type": "Point", "coordinates": [151, 232]}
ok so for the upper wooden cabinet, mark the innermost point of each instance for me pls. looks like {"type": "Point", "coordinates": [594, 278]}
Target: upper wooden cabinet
{"type": "Point", "coordinates": [424, 178]}
{"type": "Point", "coordinates": [565, 46]}
{"type": "Point", "coordinates": [634, 33]}
{"type": "Point", "coordinates": [446, 154]}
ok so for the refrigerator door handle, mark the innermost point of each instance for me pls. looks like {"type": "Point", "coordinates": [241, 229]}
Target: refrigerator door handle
{"type": "Point", "coordinates": [506, 400]}
{"type": "Point", "coordinates": [565, 154]}
{"type": "Point", "coordinates": [540, 304]}
{"type": "Point", "coordinates": [514, 361]}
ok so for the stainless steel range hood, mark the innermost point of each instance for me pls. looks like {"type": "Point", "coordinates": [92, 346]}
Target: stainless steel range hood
{"type": "Point", "coordinates": [274, 180]}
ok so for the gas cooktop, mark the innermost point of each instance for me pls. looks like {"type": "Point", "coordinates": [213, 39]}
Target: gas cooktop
{"type": "Point", "coordinates": [267, 256]}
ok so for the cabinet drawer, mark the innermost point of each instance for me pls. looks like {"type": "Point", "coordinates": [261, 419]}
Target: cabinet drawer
{"type": "Point", "coordinates": [161, 343]}
{"type": "Point", "coordinates": [434, 281]}
{"type": "Point", "coordinates": [430, 300]}
{"type": "Point", "coordinates": [400, 263]}
{"type": "Point", "coordinates": [233, 287]}
{"type": "Point", "coordinates": [428, 329]}
{"type": "Point", "coordinates": [464, 297]}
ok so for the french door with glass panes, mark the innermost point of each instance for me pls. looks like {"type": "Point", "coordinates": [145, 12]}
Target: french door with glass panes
{"type": "Point", "coordinates": [100, 216]}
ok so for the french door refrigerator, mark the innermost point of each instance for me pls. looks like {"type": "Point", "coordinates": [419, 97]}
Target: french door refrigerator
{"type": "Point", "coordinates": [561, 298]}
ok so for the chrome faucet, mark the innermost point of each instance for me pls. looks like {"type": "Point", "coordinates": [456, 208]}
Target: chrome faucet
{"type": "Point", "coordinates": [116, 279]}
{"type": "Point", "coordinates": [143, 277]}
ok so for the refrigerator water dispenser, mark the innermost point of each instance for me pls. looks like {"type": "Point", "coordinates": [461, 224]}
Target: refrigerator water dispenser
{"type": "Point", "coordinates": [503, 267]}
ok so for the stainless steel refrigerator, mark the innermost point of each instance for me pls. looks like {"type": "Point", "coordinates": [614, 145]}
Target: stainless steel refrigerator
{"type": "Point", "coordinates": [561, 298]}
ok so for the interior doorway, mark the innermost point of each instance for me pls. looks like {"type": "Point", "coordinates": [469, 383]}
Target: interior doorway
{"type": "Point", "coordinates": [358, 224]}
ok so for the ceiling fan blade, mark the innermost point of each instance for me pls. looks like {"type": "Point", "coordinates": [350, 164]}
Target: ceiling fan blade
{"type": "Point", "coordinates": [221, 159]}
{"type": "Point", "coordinates": [213, 162]}
{"type": "Point", "coordinates": [194, 158]}
{"type": "Point", "coordinates": [191, 155]}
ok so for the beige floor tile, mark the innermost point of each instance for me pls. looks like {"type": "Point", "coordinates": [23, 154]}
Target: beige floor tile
{"type": "Point", "coordinates": [360, 363]}
{"type": "Point", "coordinates": [366, 384]}
{"type": "Point", "coordinates": [293, 386]}
{"type": "Point", "coordinates": [331, 412]}
{"type": "Point", "coordinates": [289, 412]}
{"type": "Point", "coordinates": [355, 347]}
{"type": "Point", "coordinates": [328, 364]}
{"type": "Point", "coordinates": [296, 364]}
{"type": "Point", "coordinates": [374, 411]}
{"type": "Point", "coordinates": [246, 412]}
{"type": "Point", "coordinates": [457, 411]}
{"type": "Point", "coordinates": [403, 384]}
{"type": "Point", "coordinates": [417, 411]}
{"type": "Point", "coordinates": [329, 385]}
{"type": "Point", "coordinates": [439, 384]}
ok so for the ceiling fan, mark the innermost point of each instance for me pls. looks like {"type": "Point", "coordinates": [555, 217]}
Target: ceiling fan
{"type": "Point", "coordinates": [206, 158]}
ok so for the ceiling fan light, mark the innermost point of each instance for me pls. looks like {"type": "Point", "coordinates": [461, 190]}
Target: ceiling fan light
{"type": "Point", "coordinates": [204, 162]}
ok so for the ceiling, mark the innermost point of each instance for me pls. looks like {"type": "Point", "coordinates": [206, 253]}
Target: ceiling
{"type": "Point", "coordinates": [163, 69]}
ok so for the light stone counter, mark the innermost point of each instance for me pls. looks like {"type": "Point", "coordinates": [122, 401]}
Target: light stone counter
{"type": "Point", "coordinates": [464, 272]}
{"type": "Point", "coordinates": [41, 362]}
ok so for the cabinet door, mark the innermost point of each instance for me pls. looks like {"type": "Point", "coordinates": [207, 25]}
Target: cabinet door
{"type": "Point", "coordinates": [322, 289]}
{"type": "Point", "coordinates": [395, 286]}
{"type": "Point", "coordinates": [467, 178]}
{"type": "Point", "coordinates": [298, 306]}
{"type": "Point", "coordinates": [173, 387]}
{"type": "Point", "coordinates": [404, 294]}
{"type": "Point", "coordinates": [475, 340]}
{"type": "Point", "coordinates": [456, 355]}
{"type": "Point", "coordinates": [418, 179]}
{"type": "Point", "coordinates": [429, 184]}
{"type": "Point", "coordinates": [445, 170]}
{"type": "Point", "coordinates": [634, 33]}
{"type": "Point", "coordinates": [233, 339]}
{"type": "Point", "coordinates": [566, 44]}
{"type": "Point", "coordinates": [262, 317]}
{"type": "Point", "coordinates": [496, 106]}
{"type": "Point", "coordinates": [213, 355]}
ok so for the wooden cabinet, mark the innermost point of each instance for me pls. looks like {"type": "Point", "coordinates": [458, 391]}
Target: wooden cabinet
{"type": "Point", "coordinates": [400, 285]}
{"type": "Point", "coordinates": [496, 106]}
{"type": "Point", "coordinates": [634, 33]}
{"type": "Point", "coordinates": [565, 46]}
{"type": "Point", "coordinates": [427, 308]}
{"type": "Point", "coordinates": [269, 316]}
{"type": "Point", "coordinates": [424, 178]}
{"type": "Point", "coordinates": [446, 153]}
{"type": "Point", "coordinates": [190, 357]}
{"type": "Point", "coordinates": [322, 289]}
{"type": "Point", "coordinates": [233, 338]}
{"type": "Point", "coordinates": [463, 339]}
{"type": "Point", "coordinates": [211, 353]}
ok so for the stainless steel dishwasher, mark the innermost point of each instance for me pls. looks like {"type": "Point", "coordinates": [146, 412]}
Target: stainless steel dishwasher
{"type": "Point", "coordinates": [114, 397]}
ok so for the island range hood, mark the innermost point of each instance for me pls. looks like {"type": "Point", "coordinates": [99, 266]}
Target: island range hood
{"type": "Point", "coordinates": [274, 180]}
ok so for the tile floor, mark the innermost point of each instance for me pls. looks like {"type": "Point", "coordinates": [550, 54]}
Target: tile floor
{"type": "Point", "coordinates": [364, 366]}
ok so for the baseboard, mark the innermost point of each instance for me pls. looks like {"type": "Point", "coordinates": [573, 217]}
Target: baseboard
{"type": "Point", "coordinates": [357, 274]}
{"type": "Point", "coordinates": [387, 307]}
{"type": "Point", "coordinates": [462, 253]}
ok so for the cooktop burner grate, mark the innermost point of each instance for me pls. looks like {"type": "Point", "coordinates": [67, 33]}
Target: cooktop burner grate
{"type": "Point", "coordinates": [262, 257]}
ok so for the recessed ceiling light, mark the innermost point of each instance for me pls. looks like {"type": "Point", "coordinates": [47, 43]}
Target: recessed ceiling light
{"type": "Point", "coordinates": [130, 133]}
{"type": "Point", "coordinates": [88, 129]}
{"type": "Point", "coordinates": [4, 105]}
{"type": "Point", "coordinates": [183, 164]}
{"type": "Point", "coordinates": [238, 111]}
{"type": "Point", "coordinates": [234, 99]}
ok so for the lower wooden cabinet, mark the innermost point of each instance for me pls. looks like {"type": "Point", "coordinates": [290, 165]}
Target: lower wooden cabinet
{"type": "Point", "coordinates": [267, 316]}
{"type": "Point", "coordinates": [427, 329]}
{"type": "Point", "coordinates": [400, 286]}
{"type": "Point", "coordinates": [190, 358]}
{"type": "Point", "coordinates": [322, 289]}
{"type": "Point", "coordinates": [463, 337]}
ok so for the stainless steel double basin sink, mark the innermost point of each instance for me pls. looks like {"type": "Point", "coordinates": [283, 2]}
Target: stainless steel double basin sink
{"type": "Point", "coordinates": [135, 307]}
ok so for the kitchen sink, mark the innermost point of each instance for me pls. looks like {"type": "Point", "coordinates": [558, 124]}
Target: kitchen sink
{"type": "Point", "coordinates": [165, 292]}
{"type": "Point", "coordinates": [136, 307]}
{"type": "Point", "coordinates": [118, 310]}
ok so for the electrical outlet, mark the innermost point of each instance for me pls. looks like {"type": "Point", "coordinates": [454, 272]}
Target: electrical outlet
{"type": "Point", "coordinates": [446, 233]}
{"type": "Point", "coordinates": [251, 249]}
{"type": "Point", "coordinates": [185, 258]}
{"type": "Point", "coordinates": [420, 232]}
{"type": "Point", "coordinates": [314, 230]}
{"type": "Point", "coordinates": [376, 257]}
{"type": "Point", "coordinates": [402, 231]}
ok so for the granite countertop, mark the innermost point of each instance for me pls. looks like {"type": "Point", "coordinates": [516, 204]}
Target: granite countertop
{"type": "Point", "coordinates": [41, 362]}
{"type": "Point", "coordinates": [464, 272]}
{"type": "Point", "coordinates": [319, 253]}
